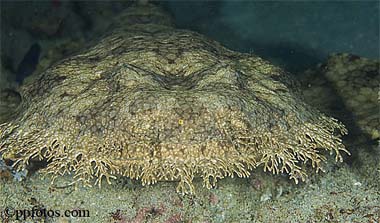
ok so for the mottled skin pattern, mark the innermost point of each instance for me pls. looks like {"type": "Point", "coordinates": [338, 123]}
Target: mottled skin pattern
{"type": "Point", "coordinates": [156, 103]}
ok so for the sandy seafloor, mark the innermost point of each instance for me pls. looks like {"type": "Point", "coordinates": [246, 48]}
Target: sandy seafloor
{"type": "Point", "coordinates": [343, 194]}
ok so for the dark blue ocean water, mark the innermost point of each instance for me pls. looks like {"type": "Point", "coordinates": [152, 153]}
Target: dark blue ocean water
{"type": "Point", "coordinates": [296, 34]}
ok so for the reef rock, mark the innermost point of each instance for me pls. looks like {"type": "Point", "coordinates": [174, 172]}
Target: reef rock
{"type": "Point", "coordinates": [356, 81]}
